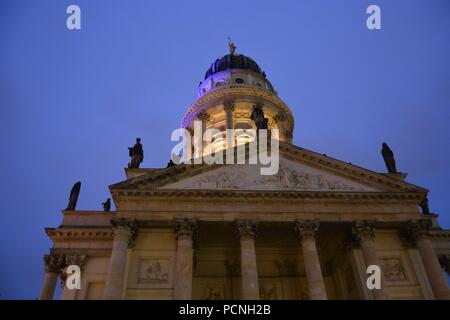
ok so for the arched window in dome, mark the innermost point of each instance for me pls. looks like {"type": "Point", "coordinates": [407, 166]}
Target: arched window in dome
{"type": "Point", "coordinates": [244, 136]}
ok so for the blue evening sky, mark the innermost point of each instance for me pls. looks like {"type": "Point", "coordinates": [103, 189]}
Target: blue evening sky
{"type": "Point", "coordinates": [71, 102]}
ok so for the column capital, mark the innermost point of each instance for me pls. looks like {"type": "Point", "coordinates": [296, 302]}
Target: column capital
{"type": "Point", "coordinates": [124, 229]}
{"type": "Point", "coordinates": [204, 117]}
{"type": "Point", "coordinates": [191, 131]}
{"type": "Point", "coordinates": [123, 223]}
{"type": "Point", "coordinates": [54, 263]}
{"type": "Point", "coordinates": [306, 228]}
{"type": "Point", "coordinates": [363, 229]}
{"type": "Point", "coordinates": [418, 228]}
{"type": "Point", "coordinates": [414, 230]}
{"type": "Point", "coordinates": [72, 259]}
{"type": "Point", "coordinates": [278, 120]}
{"type": "Point", "coordinates": [185, 229]}
{"type": "Point", "coordinates": [246, 229]}
{"type": "Point", "coordinates": [75, 259]}
{"type": "Point", "coordinates": [228, 105]}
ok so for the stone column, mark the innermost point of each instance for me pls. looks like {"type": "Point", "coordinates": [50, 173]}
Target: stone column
{"type": "Point", "coordinates": [206, 119]}
{"type": "Point", "coordinates": [419, 269]}
{"type": "Point", "coordinates": [186, 234]}
{"type": "Point", "coordinates": [228, 106]}
{"type": "Point", "coordinates": [124, 230]}
{"type": "Point", "coordinates": [246, 233]}
{"type": "Point", "coordinates": [278, 124]}
{"type": "Point", "coordinates": [364, 233]}
{"type": "Point", "coordinates": [191, 143]}
{"type": "Point", "coordinates": [71, 259]}
{"type": "Point", "coordinates": [307, 231]}
{"type": "Point", "coordinates": [418, 231]}
{"type": "Point", "coordinates": [54, 263]}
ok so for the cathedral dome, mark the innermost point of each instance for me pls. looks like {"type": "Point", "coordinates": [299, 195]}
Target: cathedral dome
{"type": "Point", "coordinates": [233, 61]}
{"type": "Point", "coordinates": [233, 86]}
{"type": "Point", "coordinates": [234, 69]}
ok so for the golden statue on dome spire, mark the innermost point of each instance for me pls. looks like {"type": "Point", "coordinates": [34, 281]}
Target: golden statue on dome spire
{"type": "Point", "coordinates": [231, 46]}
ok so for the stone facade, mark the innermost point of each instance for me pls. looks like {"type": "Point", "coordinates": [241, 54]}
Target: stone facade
{"type": "Point", "coordinates": [168, 240]}
{"type": "Point", "coordinates": [197, 231]}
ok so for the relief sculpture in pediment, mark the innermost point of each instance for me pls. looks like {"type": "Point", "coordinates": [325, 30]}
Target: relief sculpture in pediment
{"type": "Point", "coordinates": [286, 178]}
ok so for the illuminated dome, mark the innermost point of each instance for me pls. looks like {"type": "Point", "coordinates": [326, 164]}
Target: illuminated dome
{"type": "Point", "coordinates": [233, 61]}
{"type": "Point", "coordinates": [233, 85]}
{"type": "Point", "coordinates": [236, 69]}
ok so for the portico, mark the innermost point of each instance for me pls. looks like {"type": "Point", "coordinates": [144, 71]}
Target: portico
{"type": "Point", "coordinates": [227, 231]}
{"type": "Point", "coordinates": [278, 261]}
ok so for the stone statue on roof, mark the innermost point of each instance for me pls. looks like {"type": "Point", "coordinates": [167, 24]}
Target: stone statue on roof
{"type": "Point", "coordinates": [73, 196]}
{"type": "Point", "coordinates": [231, 46]}
{"type": "Point", "coordinates": [136, 153]}
{"type": "Point", "coordinates": [388, 157]}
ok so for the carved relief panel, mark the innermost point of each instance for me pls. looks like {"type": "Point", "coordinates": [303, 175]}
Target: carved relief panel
{"type": "Point", "coordinates": [271, 289]}
{"type": "Point", "coordinates": [268, 291]}
{"type": "Point", "coordinates": [397, 269]}
{"type": "Point", "coordinates": [393, 269]}
{"type": "Point", "coordinates": [213, 292]}
{"type": "Point", "coordinates": [151, 270]}
{"type": "Point", "coordinates": [212, 288]}
{"type": "Point", "coordinates": [290, 176]}
{"type": "Point", "coordinates": [155, 271]}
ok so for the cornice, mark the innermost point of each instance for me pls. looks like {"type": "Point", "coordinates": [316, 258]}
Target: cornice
{"type": "Point", "coordinates": [348, 170]}
{"type": "Point", "coordinates": [84, 233]}
{"type": "Point", "coordinates": [165, 176]}
{"type": "Point", "coordinates": [355, 173]}
{"type": "Point", "coordinates": [227, 91]}
{"type": "Point", "coordinates": [259, 196]}
{"type": "Point", "coordinates": [90, 253]}
{"type": "Point", "coordinates": [439, 234]}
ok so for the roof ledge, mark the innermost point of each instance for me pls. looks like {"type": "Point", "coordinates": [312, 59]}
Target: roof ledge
{"type": "Point", "coordinates": [399, 176]}
{"type": "Point", "coordinates": [136, 172]}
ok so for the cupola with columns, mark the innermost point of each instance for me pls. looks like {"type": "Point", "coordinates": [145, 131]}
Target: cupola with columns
{"type": "Point", "coordinates": [234, 84]}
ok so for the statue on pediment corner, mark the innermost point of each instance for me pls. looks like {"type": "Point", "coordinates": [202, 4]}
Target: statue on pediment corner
{"type": "Point", "coordinates": [424, 206]}
{"type": "Point", "coordinates": [170, 164]}
{"type": "Point", "coordinates": [73, 199]}
{"type": "Point", "coordinates": [388, 156]}
{"type": "Point", "coordinates": [136, 153]}
{"type": "Point", "coordinates": [107, 205]}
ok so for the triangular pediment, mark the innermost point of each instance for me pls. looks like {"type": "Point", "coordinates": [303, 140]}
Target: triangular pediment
{"type": "Point", "coordinates": [299, 170]}
{"type": "Point", "coordinates": [291, 175]}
